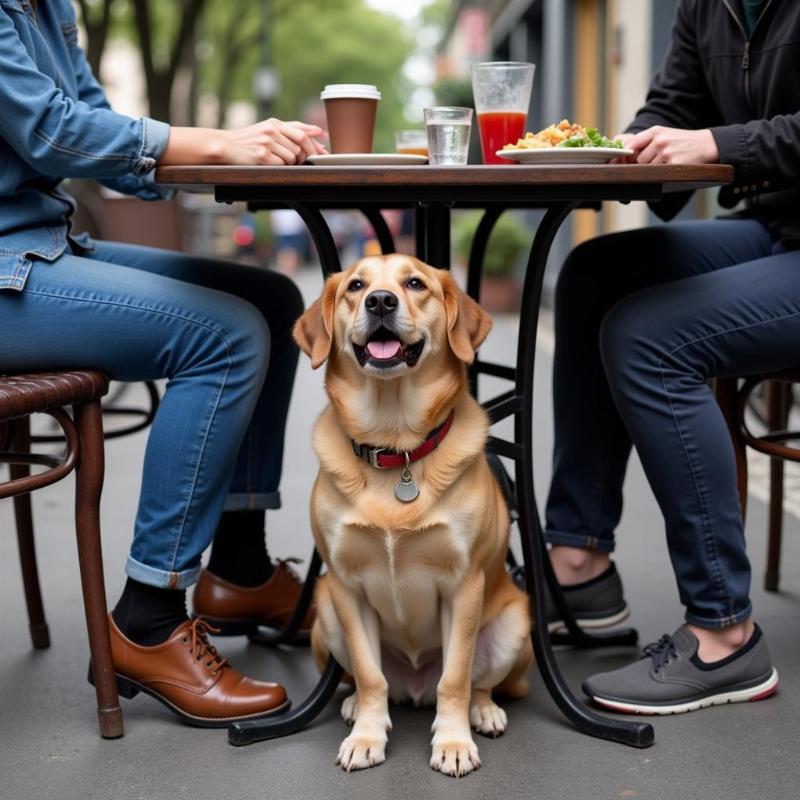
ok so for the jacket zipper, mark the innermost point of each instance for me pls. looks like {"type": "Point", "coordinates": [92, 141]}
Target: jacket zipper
{"type": "Point", "coordinates": [746, 55]}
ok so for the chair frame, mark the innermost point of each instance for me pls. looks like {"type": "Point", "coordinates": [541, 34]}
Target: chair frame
{"type": "Point", "coordinates": [734, 401]}
{"type": "Point", "coordinates": [84, 453]}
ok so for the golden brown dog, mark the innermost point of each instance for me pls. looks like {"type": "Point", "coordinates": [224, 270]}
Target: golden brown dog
{"type": "Point", "coordinates": [416, 604]}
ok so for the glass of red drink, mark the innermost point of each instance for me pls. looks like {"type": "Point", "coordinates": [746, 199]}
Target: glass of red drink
{"type": "Point", "coordinates": [502, 91]}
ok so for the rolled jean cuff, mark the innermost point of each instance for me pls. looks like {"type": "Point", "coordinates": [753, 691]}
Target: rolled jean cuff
{"type": "Point", "coordinates": [248, 501]}
{"type": "Point", "coordinates": [162, 578]}
{"type": "Point", "coordinates": [579, 540]}
{"type": "Point", "coordinates": [717, 623]}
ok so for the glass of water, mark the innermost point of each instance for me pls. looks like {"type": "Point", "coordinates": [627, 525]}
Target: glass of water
{"type": "Point", "coordinates": [448, 134]}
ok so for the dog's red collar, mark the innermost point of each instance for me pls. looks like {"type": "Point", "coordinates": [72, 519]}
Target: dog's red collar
{"type": "Point", "coordinates": [383, 458]}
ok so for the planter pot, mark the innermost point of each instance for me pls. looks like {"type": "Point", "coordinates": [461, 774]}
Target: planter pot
{"type": "Point", "coordinates": [500, 293]}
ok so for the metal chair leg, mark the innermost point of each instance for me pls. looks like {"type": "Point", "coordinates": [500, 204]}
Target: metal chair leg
{"type": "Point", "coordinates": [778, 405]}
{"type": "Point", "coordinates": [40, 634]}
{"type": "Point", "coordinates": [726, 391]}
{"type": "Point", "coordinates": [89, 485]}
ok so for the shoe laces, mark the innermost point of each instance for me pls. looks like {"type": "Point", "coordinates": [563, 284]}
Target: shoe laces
{"type": "Point", "coordinates": [660, 651]}
{"type": "Point", "coordinates": [201, 649]}
{"type": "Point", "coordinates": [286, 564]}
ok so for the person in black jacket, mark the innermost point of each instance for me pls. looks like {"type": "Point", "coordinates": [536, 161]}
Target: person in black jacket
{"type": "Point", "coordinates": [671, 307]}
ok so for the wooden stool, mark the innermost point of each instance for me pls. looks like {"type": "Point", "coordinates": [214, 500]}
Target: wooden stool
{"type": "Point", "coordinates": [50, 393]}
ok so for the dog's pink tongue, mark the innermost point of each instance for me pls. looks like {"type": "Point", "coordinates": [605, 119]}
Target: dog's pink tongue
{"type": "Point", "coordinates": [382, 350]}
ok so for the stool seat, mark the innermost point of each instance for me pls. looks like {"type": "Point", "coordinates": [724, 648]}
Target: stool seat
{"type": "Point", "coordinates": [21, 395]}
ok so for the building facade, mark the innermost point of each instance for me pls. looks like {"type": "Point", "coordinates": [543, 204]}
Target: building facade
{"type": "Point", "coordinates": [595, 60]}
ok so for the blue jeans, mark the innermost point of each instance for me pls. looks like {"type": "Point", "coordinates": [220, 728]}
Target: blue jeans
{"type": "Point", "coordinates": [221, 335]}
{"type": "Point", "coordinates": [643, 320]}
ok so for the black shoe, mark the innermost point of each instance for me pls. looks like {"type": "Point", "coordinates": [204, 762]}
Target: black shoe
{"type": "Point", "coordinates": [596, 603]}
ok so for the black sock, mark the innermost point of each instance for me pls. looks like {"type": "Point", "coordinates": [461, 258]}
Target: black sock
{"type": "Point", "coordinates": [239, 553]}
{"type": "Point", "coordinates": [147, 615]}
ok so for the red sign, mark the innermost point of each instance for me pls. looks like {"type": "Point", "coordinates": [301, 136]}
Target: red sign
{"type": "Point", "coordinates": [474, 24]}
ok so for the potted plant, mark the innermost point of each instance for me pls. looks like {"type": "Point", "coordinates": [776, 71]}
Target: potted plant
{"type": "Point", "coordinates": [510, 239]}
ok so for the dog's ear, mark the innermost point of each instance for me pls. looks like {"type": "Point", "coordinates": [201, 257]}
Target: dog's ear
{"type": "Point", "coordinates": [467, 323]}
{"type": "Point", "coordinates": [313, 332]}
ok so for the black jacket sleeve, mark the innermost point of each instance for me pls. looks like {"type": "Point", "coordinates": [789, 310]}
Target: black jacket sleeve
{"type": "Point", "coordinates": [679, 96]}
{"type": "Point", "coordinates": [764, 152]}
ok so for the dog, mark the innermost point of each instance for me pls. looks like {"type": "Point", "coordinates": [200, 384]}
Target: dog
{"type": "Point", "coordinates": [416, 604]}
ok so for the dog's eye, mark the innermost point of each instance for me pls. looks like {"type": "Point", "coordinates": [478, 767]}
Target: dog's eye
{"type": "Point", "coordinates": [415, 283]}
{"type": "Point", "coordinates": [355, 286]}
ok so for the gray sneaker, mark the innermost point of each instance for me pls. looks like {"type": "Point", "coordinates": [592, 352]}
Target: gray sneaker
{"type": "Point", "coordinates": [669, 678]}
{"type": "Point", "coordinates": [597, 603]}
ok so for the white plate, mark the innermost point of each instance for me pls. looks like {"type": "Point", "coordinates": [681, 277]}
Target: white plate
{"type": "Point", "coordinates": [564, 155]}
{"type": "Point", "coordinates": [366, 159]}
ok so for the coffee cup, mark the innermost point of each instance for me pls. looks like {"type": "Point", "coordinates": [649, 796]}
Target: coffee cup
{"type": "Point", "coordinates": [351, 109]}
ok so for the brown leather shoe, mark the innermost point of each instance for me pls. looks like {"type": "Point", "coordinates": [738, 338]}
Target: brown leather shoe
{"type": "Point", "coordinates": [188, 675]}
{"type": "Point", "coordinates": [241, 610]}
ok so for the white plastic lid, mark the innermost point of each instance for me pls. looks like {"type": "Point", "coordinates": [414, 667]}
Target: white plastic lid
{"type": "Point", "coordinates": [360, 91]}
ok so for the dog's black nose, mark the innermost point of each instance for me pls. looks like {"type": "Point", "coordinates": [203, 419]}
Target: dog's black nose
{"type": "Point", "coordinates": [381, 303]}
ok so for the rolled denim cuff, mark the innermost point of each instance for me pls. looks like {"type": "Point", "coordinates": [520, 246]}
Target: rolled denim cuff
{"type": "Point", "coordinates": [579, 540]}
{"type": "Point", "coordinates": [155, 137]}
{"type": "Point", "coordinates": [162, 578]}
{"type": "Point", "coordinates": [150, 190]}
{"type": "Point", "coordinates": [249, 501]}
{"type": "Point", "coordinates": [717, 623]}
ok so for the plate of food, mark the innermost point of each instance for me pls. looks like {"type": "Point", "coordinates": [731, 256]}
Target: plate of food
{"type": "Point", "coordinates": [564, 143]}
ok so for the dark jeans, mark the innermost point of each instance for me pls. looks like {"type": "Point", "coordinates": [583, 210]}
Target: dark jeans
{"type": "Point", "coordinates": [643, 320]}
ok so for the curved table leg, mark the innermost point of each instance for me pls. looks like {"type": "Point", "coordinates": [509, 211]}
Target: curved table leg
{"type": "Point", "coordinates": [636, 734]}
{"type": "Point", "coordinates": [329, 261]}
{"type": "Point", "coordinates": [381, 228]}
{"type": "Point", "coordinates": [574, 636]}
{"type": "Point", "coordinates": [242, 733]}
{"type": "Point", "coordinates": [323, 239]}
{"type": "Point", "coordinates": [257, 730]}
{"type": "Point", "coordinates": [477, 253]}
{"type": "Point", "coordinates": [288, 634]}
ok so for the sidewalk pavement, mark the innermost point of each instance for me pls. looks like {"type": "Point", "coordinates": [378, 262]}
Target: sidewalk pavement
{"type": "Point", "coordinates": [49, 746]}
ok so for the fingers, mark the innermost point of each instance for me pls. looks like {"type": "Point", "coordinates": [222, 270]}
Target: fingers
{"type": "Point", "coordinates": [311, 130]}
{"type": "Point", "coordinates": [285, 152]}
{"type": "Point", "coordinates": [650, 155]}
{"type": "Point", "coordinates": [293, 142]}
{"type": "Point", "coordinates": [643, 145]}
{"type": "Point", "coordinates": [301, 139]}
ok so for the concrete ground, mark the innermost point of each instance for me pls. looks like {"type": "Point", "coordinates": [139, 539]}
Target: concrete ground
{"type": "Point", "coordinates": [49, 747]}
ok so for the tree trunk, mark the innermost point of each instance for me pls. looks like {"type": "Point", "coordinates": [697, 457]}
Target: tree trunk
{"type": "Point", "coordinates": [96, 33]}
{"type": "Point", "coordinates": [160, 79]}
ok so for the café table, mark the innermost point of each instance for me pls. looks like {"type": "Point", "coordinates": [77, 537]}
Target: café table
{"type": "Point", "coordinates": [433, 192]}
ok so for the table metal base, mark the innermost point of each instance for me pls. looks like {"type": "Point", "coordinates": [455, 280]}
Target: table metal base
{"type": "Point", "coordinates": [433, 238]}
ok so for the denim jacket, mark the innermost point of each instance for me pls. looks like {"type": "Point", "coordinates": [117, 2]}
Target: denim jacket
{"type": "Point", "coordinates": [56, 123]}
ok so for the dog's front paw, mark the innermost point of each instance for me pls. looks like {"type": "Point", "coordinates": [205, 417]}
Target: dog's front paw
{"type": "Point", "coordinates": [361, 752]}
{"type": "Point", "coordinates": [455, 757]}
{"type": "Point", "coordinates": [488, 718]}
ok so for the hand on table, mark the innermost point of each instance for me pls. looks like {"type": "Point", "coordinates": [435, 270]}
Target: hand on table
{"type": "Point", "coordinates": [271, 143]}
{"type": "Point", "coordinates": [660, 145]}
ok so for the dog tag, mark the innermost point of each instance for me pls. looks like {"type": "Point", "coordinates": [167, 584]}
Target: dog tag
{"type": "Point", "coordinates": [406, 491]}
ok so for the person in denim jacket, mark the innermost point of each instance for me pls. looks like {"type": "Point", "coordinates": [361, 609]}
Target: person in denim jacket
{"type": "Point", "coordinates": [219, 333]}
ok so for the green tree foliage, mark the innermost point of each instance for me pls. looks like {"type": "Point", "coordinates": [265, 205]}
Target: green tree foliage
{"type": "Point", "coordinates": [223, 42]}
{"type": "Point", "coordinates": [310, 44]}
{"type": "Point", "coordinates": [353, 44]}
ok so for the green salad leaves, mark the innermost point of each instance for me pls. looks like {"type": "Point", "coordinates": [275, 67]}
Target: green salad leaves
{"type": "Point", "coordinates": [593, 138]}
